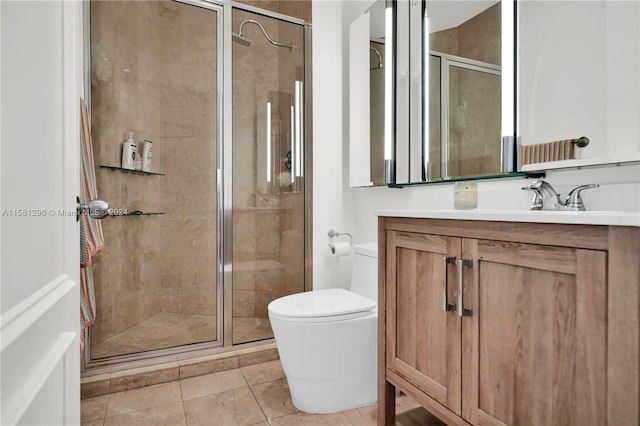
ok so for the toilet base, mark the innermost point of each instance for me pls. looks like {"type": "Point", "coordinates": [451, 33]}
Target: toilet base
{"type": "Point", "coordinates": [331, 366]}
{"type": "Point", "coordinates": [322, 398]}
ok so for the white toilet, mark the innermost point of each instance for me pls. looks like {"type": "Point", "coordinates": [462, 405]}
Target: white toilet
{"type": "Point", "coordinates": [327, 340]}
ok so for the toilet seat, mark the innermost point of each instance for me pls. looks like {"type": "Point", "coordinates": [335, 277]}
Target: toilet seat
{"type": "Point", "coordinates": [329, 305]}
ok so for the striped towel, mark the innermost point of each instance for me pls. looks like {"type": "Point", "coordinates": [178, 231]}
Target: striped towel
{"type": "Point", "coordinates": [91, 238]}
{"type": "Point", "coordinates": [551, 151]}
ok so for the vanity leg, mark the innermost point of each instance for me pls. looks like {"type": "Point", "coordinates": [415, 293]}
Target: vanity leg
{"type": "Point", "coordinates": [386, 391]}
{"type": "Point", "coordinates": [386, 403]}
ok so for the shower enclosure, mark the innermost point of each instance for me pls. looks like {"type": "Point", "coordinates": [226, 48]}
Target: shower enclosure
{"type": "Point", "coordinates": [202, 241]}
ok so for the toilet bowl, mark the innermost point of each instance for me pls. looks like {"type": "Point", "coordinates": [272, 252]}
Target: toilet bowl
{"type": "Point", "coordinates": [327, 340]}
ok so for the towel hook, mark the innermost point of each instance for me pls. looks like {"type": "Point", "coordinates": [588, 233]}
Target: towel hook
{"type": "Point", "coordinates": [336, 234]}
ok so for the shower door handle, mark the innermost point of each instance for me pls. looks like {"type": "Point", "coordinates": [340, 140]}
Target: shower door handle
{"type": "Point", "coordinates": [96, 209]}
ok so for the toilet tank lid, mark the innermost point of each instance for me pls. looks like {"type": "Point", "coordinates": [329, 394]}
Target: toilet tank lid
{"type": "Point", "coordinates": [329, 302]}
{"type": "Point", "coordinates": [368, 249]}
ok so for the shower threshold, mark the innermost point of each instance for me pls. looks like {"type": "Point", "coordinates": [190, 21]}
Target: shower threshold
{"type": "Point", "coordinates": [106, 380]}
{"type": "Point", "coordinates": [167, 330]}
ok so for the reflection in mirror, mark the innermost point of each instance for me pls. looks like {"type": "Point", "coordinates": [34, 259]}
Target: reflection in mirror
{"type": "Point", "coordinates": [464, 116]}
{"type": "Point", "coordinates": [376, 111]}
{"type": "Point", "coordinates": [367, 68]}
{"type": "Point", "coordinates": [464, 98]}
{"type": "Point", "coordinates": [458, 120]}
{"type": "Point", "coordinates": [280, 126]}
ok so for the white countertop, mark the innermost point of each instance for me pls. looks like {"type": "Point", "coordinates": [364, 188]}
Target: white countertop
{"type": "Point", "coordinates": [583, 218]}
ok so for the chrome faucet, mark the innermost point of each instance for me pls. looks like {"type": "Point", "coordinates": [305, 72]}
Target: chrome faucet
{"type": "Point", "coordinates": [574, 199]}
{"type": "Point", "coordinates": [546, 198]}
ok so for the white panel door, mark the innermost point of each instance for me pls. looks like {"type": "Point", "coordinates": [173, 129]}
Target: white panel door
{"type": "Point", "coordinates": [41, 82]}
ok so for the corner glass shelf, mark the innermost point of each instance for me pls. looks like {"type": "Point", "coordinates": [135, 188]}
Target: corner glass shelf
{"type": "Point", "coordinates": [132, 171]}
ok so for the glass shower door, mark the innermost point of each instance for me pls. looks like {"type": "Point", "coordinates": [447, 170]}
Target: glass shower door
{"type": "Point", "coordinates": [268, 169]}
{"type": "Point", "coordinates": [464, 118]}
{"type": "Point", "coordinates": [154, 72]}
{"type": "Point", "coordinates": [474, 120]}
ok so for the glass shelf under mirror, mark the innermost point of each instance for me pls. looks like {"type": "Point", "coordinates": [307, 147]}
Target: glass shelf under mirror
{"type": "Point", "coordinates": [516, 175]}
{"type": "Point", "coordinates": [132, 171]}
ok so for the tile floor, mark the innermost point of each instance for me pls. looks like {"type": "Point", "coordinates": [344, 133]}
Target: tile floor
{"type": "Point", "coordinates": [252, 395]}
{"type": "Point", "coordinates": [167, 329]}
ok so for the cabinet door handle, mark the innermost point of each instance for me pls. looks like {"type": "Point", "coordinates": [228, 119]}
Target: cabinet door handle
{"type": "Point", "coordinates": [445, 305]}
{"type": "Point", "coordinates": [461, 310]}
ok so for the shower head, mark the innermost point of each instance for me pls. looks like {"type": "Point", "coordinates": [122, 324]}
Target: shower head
{"type": "Point", "coordinates": [246, 41]}
{"type": "Point", "coordinates": [239, 38]}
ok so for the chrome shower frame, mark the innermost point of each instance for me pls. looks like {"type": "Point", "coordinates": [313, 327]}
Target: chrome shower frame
{"type": "Point", "coordinates": [224, 238]}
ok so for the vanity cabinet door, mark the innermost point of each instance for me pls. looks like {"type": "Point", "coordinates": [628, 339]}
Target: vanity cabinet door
{"type": "Point", "coordinates": [534, 347]}
{"type": "Point", "coordinates": [423, 340]}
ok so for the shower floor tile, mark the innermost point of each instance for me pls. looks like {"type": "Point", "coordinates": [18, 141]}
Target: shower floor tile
{"type": "Point", "coordinates": [254, 395]}
{"type": "Point", "coordinates": [168, 329]}
{"type": "Point", "coordinates": [251, 329]}
{"type": "Point", "coordinates": [162, 330]}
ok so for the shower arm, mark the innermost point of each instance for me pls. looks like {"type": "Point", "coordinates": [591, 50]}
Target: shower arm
{"type": "Point", "coordinates": [290, 45]}
{"type": "Point", "coordinates": [379, 58]}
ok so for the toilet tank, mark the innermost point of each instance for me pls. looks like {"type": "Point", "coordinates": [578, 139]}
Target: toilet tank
{"type": "Point", "coordinates": [364, 275]}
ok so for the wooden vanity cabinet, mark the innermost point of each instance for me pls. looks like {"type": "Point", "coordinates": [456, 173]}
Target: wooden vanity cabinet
{"type": "Point", "coordinates": [530, 345]}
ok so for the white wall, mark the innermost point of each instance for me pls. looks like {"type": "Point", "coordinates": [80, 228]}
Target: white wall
{"type": "Point", "coordinates": [337, 206]}
{"type": "Point", "coordinates": [329, 175]}
{"type": "Point", "coordinates": [583, 93]}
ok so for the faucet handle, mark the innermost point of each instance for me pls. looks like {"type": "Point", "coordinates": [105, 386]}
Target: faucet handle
{"type": "Point", "coordinates": [534, 185]}
{"type": "Point", "coordinates": [574, 199]}
{"type": "Point", "coordinates": [537, 197]}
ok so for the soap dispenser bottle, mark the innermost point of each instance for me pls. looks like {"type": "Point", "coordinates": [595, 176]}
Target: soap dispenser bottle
{"type": "Point", "coordinates": [129, 153]}
{"type": "Point", "coordinates": [146, 156]}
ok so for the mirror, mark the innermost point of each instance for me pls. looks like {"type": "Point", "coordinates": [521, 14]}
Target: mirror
{"type": "Point", "coordinates": [454, 102]}
{"type": "Point", "coordinates": [580, 76]}
{"type": "Point", "coordinates": [367, 68]}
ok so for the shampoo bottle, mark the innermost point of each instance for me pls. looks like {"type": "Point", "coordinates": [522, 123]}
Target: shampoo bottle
{"type": "Point", "coordinates": [146, 156]}
{"type": "Point", "coordinates": [129, 153]}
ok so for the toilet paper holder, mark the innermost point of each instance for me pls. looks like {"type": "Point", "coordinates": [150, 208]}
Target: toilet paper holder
{"type": "Point", "coordinates": [335, 234]}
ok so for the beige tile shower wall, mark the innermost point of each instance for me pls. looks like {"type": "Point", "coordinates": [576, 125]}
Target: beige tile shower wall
{"type": "Point", "coordinates": [123, 99]}
{"type": "Point", "coordinates": [291, 198]}
{"type": "Point", "coordinates": [255, 72]}
{"type": "Point", "coordinates": [257, 270]}
{"type": "Point", "coordinates": [268, 256]}
{"type": "Point", "coordinates": [188, 92]}
{"type": "Point", "coordinates": [480, 38]}
{"type": "Point", "coordinates": [154, 74]}
{"type": "Point", "coordinates": [297, 8]}
{"type": "Point", "coordinates": [263, 212]}
{"type": "Point", "coordinates": [292, 243]}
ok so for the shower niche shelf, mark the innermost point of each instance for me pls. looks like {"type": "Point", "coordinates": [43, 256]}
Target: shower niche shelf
{"type": "Point", "coordinates": [131, 171]}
